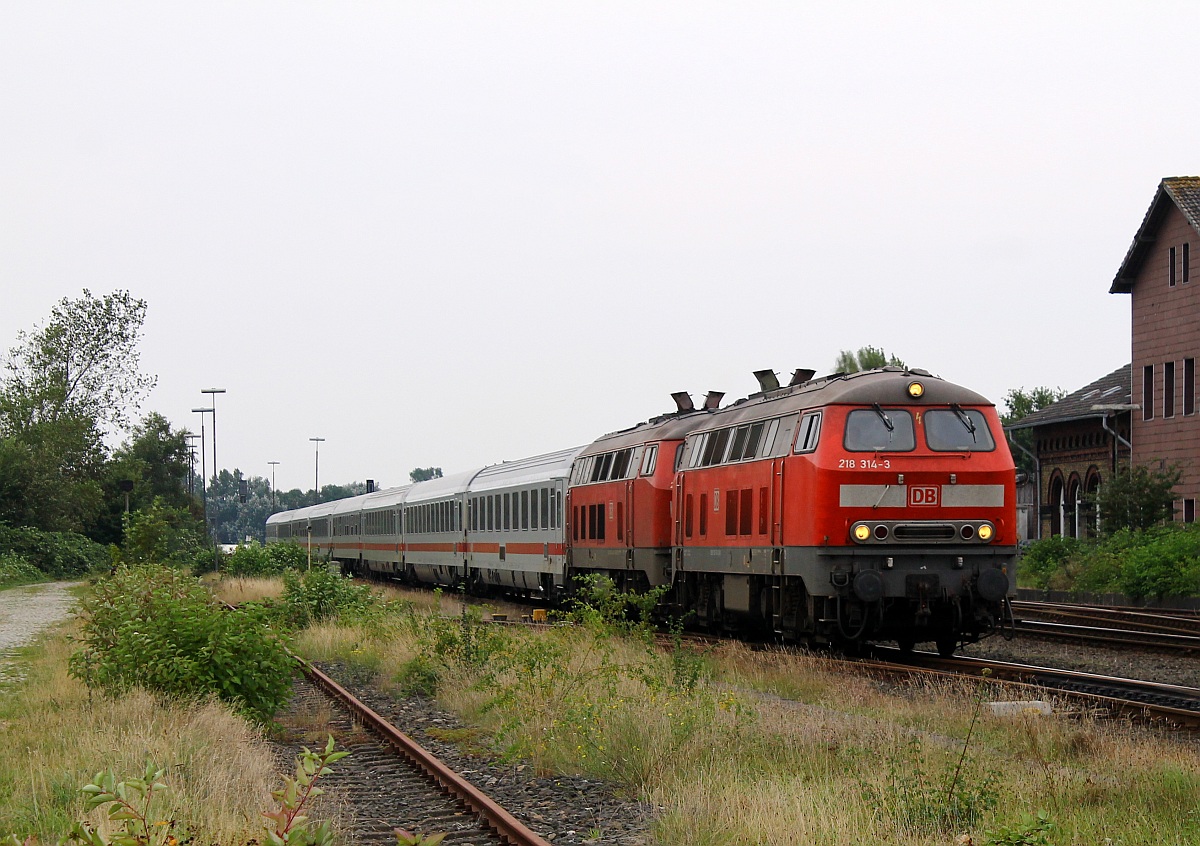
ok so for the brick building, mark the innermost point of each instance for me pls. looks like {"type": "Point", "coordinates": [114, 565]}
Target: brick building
{"type": "Point", "coordinates": [1145, 412]}
{"type": "Point", "coordinates": [1165, 302]}
{"type": "Point", "coordinates": [1078, 443]}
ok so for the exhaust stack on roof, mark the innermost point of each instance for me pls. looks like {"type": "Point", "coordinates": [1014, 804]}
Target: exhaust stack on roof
{"type": "Point", "coordinates": [767, 381]}
{"type": "Point", "coordinates": [683, 401]}
{"type": "Point", "coordinates": [801, 376]}
{"type": "Point", "coordinates": [713, 400]}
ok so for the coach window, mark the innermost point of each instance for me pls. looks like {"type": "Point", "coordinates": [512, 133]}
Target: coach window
{"type": "Point", "coordinates": [649, 459]}
{"type": "Point", "coordinates": [810, 433]}
{"type": "Point", "coordinates": [545, 508]}
{"type": "Point", "coordinates": [525, 511]}
{"type": "Point", "coordinates": [556, 514]}
{"type": "Point", "coordinates": [533, 510]}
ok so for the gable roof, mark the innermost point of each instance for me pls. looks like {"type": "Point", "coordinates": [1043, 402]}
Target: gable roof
{"type": "Point", "coordinates": [1184, 193]}
{"type": "Point", "coordinates": [1091, 401]}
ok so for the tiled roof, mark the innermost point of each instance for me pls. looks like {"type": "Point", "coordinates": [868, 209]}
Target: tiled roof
{"type": "Point", "coordinates": [1184, 192]}
{"type": "Point", "coordinates": [1110, 390]}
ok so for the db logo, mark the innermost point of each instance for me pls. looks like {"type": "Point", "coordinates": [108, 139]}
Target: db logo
{"type": "Point", "coordinates": [923, 495]}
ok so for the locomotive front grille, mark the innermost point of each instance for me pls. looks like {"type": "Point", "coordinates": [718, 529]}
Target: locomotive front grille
{"type": "Point", "coordinates": [924, 531]}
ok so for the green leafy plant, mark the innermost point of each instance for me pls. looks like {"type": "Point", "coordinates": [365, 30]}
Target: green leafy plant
{"type": "Point", "coordinates": [407, 838]}
{"type": "Point", "coordinates": [1030, 831]}
{"type": "Point", "coordinates": [321, 594]}
{"type": "Point", "coordinates": [290, 824]}
{"type": "Point", "coordinates": [16, 570]}
{"type": "Point", "coordinates": [129, 806]}
{"type": "Point", "coordinates": [160, 629]}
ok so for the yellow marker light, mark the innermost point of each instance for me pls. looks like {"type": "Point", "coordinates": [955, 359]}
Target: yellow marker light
{"type": "Point", "coordinates": [985, 532]}
{"type": "Point", "coordinates": [916, 390]}
{"type": "Point", "coordinates": [862, 532]}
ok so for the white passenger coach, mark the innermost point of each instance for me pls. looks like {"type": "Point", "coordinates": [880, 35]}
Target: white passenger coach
{"type": "Point", "coordinates": [495, 527]}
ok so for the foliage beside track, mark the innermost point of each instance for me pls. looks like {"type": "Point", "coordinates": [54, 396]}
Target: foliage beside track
{"type": "Point", "coordinates": [1157, 562]}
{"type": "Point", "coordinates": [739, 746]}
{"type": "Point", "coordinates": [161, 630]}
{"type": "Point", "coordinates": [58, 555]}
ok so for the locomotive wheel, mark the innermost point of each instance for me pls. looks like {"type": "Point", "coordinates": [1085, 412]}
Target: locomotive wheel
{"type": "Point", "coordinates": [906, 644]}
{"type": "Point", "coordinates": [946, 644]}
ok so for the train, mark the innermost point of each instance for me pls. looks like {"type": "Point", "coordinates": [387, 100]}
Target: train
{"type": "Point", "coordinates": [847, 509]}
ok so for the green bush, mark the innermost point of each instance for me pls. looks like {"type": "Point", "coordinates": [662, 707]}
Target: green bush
{"type": "Point", "coordinates": [322, 594]}
{"type": "Point", "coordinates": [1159, 561]}
{"type": "Point", "coordinates": [15, 570]}
{"type": "Point", "coordinates": [161, 534]}
{"type": "Point", "coordinates": [160, 629]}
{"type": "Point", "coordinates": [253, 559]}
{"type": "Point", "coordinates": [57, 554]}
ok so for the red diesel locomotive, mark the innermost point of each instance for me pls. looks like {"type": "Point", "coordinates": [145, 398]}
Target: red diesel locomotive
{"type": "Point", "coordinates": [857, 507]}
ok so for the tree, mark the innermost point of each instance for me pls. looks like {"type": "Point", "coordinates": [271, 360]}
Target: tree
{"type": "Point", "coordinates": [1137, 497]}
{"type": "Point", "coordinates": [82, 363]}
{"type": "Point", "coordinates": [424, 474]}
{"type": "Point", "coordinates": [867, 358]}
{"type": "Point", "coordinates": [1019, 404]}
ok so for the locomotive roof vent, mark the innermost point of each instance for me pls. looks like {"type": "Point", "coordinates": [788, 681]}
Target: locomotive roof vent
{"type": "Point", "coordinates": [767, 380]}
{"type": "Point", "coordinates": [917, 371]}
{"type": "Point", "coordinates": [713, 400]}
{"type": "Point", "coordinates": [683, 401]}
{"type": "Point", "coordinates": [800, 376]}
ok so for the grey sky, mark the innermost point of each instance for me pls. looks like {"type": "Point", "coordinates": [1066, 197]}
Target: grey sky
{"type": "Point", "coordinates": [451, 234]}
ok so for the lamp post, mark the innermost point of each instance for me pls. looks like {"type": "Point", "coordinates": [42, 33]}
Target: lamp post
{"type": "Point", "coordinates": [203, 481]}
{"type": "Point", "coordinates": [213, 392]}
{"type": "Point", "coordinates": [273, 466]}
{"type": "Point", "coordinates": [191, 464]}
{"type": "Point", "coordinates": [316, 469]}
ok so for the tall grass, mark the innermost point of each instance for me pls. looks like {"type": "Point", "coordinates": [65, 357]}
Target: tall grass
{"type": "Point", "coordinates": [56, 737]}
{"type": "Point", "coordinates": [737, 746]}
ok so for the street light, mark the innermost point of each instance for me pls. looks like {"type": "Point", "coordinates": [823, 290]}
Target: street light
{"type": "Point", "coordinates": [192, 463]}
{"type": "Point", "coordinates": [214, 392]}
{"type": "Point", "coordinates": [203, 480]}
{"type": "Point", "coordinates": [316, 469]}
{"type": "Point", "coordinates": [273, 465]}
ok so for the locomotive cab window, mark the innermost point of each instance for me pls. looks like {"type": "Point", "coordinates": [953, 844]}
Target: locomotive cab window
{"type": "Point", "coordinates": [957, 430]}
{"type": "Point", "coordinates": [879, 430]}
{"type": "Point", "coordinates": [810, 433]}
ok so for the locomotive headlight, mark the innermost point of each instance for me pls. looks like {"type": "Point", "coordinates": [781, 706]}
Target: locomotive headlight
{"type": "Point", "coordinates": [862, 532]}
{"type": "Point", "coordinates": [916, 390]}
{"type": "Point", "coordinates": [986, 531]}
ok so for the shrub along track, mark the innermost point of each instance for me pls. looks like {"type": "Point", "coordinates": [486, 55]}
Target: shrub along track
{"type": "Point", "coordinates": [565, 809]}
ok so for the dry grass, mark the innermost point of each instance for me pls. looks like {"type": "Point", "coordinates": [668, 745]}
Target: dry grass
{"type": "Point", "coordinates": [784, 748]}
{"type": "Point", "coordinates": [241, 589]}
{"type": "Point", "coordinates": [57, 737]}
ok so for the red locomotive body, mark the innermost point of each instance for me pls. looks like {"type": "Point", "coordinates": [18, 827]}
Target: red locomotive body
{"type": "Point", "coordinates": [878, 505]}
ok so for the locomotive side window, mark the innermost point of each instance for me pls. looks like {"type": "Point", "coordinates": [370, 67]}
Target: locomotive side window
{"type": "Point", "coordinates": [649, 459]}
{"type": "Point", "coordinates": [879, 430]}
{"type": "Point", "coordinates": [957, 430]}
{"type": "Point", "coordinates": [697, 450]}
{"type": "Point", "coordinates": [739, 443]}
{"type": "Point", "coordinates": [687, 516]}
{"type": "Point", "coordinates": [810, 433]}
{"type": "Point", "coordinates": [769, 438]}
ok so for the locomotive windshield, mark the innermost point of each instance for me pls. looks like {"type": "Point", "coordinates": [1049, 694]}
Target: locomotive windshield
{"type": "Point", "coordinates": [957, 430]}
{"type": "Point", "coordinates": [879, 430]}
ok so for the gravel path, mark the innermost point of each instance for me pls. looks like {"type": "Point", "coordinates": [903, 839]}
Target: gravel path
{"type": "Point", "coordinates": [25, 611]}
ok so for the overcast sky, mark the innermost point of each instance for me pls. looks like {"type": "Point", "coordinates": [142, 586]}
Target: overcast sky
{"type": "Point", "coordinates": [458, 233]}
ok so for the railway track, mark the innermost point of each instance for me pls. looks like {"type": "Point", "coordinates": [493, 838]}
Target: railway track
{"type": "Point", "coordinates": [390, 781]}
{"type": "Point", "coordinates": [1167, 704]}
{"type": "Point", "coordinates": [1122, 627]}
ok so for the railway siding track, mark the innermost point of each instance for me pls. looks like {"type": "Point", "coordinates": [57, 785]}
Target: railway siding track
{"type": "Point", "coordinates": [1129, 628]}
{"type": "Point", "coordinates": [1169, 704]}
{"type": "Point", "coordinates": [397, 783]}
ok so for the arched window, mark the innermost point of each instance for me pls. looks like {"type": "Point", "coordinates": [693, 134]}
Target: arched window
{"type": "Point", "coordinates": [1092, 495]}
{"type": "Point", "coordinates": [1075, 515]}
{"type": "Point", "coordinates": [1057, 503]}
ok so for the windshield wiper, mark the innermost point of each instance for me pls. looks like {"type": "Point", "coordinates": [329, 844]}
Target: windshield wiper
{"type": "Point", "coordinates": [887, 421]}
{"type": "Point", "coordinates": [966, 420]}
